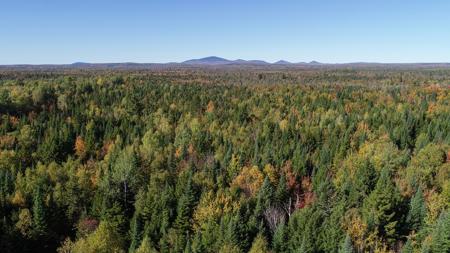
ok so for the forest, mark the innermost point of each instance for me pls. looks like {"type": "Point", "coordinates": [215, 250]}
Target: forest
{"type": "Point", "coordinates": [225, 160]}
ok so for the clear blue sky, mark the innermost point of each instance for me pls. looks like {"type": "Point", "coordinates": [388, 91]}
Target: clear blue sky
{"type": "Point", "coordinates": [62, 31]}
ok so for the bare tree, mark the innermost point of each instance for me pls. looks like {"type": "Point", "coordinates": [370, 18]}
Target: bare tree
{"type": "Point", "coordinates": [274, 216]}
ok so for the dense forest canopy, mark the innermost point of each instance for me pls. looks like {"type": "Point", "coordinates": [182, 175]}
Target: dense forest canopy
{"type": "Point", "coordinates": [225, 160]}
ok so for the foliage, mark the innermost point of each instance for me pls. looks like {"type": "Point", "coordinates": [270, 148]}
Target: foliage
{"type": "Point", "coordinates": [225, 160]}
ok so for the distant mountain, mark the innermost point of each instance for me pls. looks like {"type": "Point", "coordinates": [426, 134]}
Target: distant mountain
{"type": "Point", "coordinates": [257, 62]}
{"type": "Point", "coordinates": [211, 60]}
{"type": "Point", "coordinates": [282, 62]}
{"type": "Point", "coordinates": [218, 62]}
{"type": "Point", "coordinates": [80, 64]}
{"type": "Point", "coordinates": [214, 60]}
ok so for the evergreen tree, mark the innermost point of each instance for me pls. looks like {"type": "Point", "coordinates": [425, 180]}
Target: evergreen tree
{"type": "Point", "coordinates": [259, 245]}
{"type": "Point", "coordinates": [266, 193]}
{"type": "Point", "coordinates": [380, 207]}
{"type": "Point", "coordinates": [346, 246]}
{"type": "Point", "coordinates": [39, 221]}
{"type": "Point", "coordinates": [105, 239]}
{"type": "Point", "coordinates": [417, 211]}
{"type": "Point", "coordinates": [441, 234]}
{"type": "Point", "coordinates": [408, 248]}
{"type": "Point", "coordinates": [281, 194]}
{"type": "Point", "coordinates": [425, 248]}
{"type": "Point", "coordinates": [280, 238]}
{"type": "Point", "coordinates": [185, 206]}
{"type": "Point", "coordinates": [135, 232]}
{"type": "Point", "coordinates": [146, 247]}
{"type": "Point", "coordinates": [187, 248]}
{"type": "Point", "coordinates": [197, 244]}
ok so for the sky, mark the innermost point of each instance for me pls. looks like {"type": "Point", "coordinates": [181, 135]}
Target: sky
{"type": "Point", "coordinates": [63, 31]}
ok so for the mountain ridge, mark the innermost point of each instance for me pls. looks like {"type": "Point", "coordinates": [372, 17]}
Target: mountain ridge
{"type": "Point", "coordinates": [216, 62]}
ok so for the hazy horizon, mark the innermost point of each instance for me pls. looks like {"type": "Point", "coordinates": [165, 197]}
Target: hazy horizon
{"type": "Point", "coordinates": [200, 58]}
{"type": "Point", "coordinates": [57, 32]}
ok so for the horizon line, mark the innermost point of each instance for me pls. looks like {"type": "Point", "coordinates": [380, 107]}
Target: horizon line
{"type": "Point", "coordinates": [243, 61]}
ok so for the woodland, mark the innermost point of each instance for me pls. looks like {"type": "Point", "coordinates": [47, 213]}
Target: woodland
{"type": "Point", "coordinates": [225, 160]}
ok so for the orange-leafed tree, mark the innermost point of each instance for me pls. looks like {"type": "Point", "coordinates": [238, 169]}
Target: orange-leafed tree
{"type": "Point", "coordinates": [249, 180]}
{"type": "Point", "coordinates": [80, 147]}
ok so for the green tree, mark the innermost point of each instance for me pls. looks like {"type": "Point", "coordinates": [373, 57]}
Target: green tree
{"type": "Point", "coordinates": [280, 238]}
{"type": "Point", "coordinates": [135, 232]}
{"type": "Point", "coordinates": [125, 171]}
{"type": "Point", "coordinates": [380, 207]}
{"type": "Point", "coordinates": [346, 246]}
{"type": "Point", "coordinates": [259, 245]}
{"type": "Point", "coordinates": [39, 215]}
{"type": "Point", "coordinates": [185, 205]}
{"type": "Point", "coordinates": [441, 234]}
{"type": "Point", "coordinates": [146, 247]}
{"type": "Point", "coordinates": [105, 239]}
{"type": "Point", "coordinates": [408, 247]}
{"type": "Point", "coordinates": [417, 211]}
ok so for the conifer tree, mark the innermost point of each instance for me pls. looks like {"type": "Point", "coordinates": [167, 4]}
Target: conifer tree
{"type": "Point", "coordinates": [380, 207]}
{"type": "Point", "coordinates": [346, 246]}
{"type": "Point", "coordinates": [281, 193]}
{"type": "Point", "coordinates": [417, 211]}
{"type": "Point", "coordinates": [135, 232]}
{"type": "Point", "coordinates": [146, 247]}
{"type": "Point", "coordinates": [39, 222]}
{"type": "Point", "coordinates": [184, 206]}
{"type": "Point", "coordinates": [259, 245]}
{"type": "Point", "coordinates": [280, 238]}
{"type": "Point", "coordinates": [408, 248]}
{"type": "Point", "coordinates": [441, 234]}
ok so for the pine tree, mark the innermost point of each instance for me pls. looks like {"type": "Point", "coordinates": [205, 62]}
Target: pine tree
{"type": "Point", "coordinates": [197, 244]}
{"type": "Point", "coordinates": [236, 231]}
{"type": "Point", "coordinates": [146, 247]}
{"type": "Point", "coordinates": [135, 232]}
{"type": "Point", "coordinates": [259, 245]}
{"type": "Point", "coordinates": [441, 234]}
{"type": "Point", "coordinates": [187, 249]}
{"type": "Point", "coordinates": [256, 157]}
{"type": "Point", "coordinates": [425, 248]}
{"type": "Point", "coordinates": [185, 206]}
{"type": "Point", "coordinates": [280, 238]}
{"type": "Point", "coordinates": [265, 193]}
{"type": "Point", "coordinates": [380, 207]}
{"type": "Point", "coordinates": [417, 211]}
{"type": "Point", "coordinates": [40, 226]}
{"type": "Point", "coordinates": [105, 239]}
{"type": "Point", "coordinates": [281, 194]}
{"type": "Point", "coordinates": [299, 160]}
{"type": "Point", "coordinates": [408, 248]}
{"type": "Point", "coordinates": [346, 246]}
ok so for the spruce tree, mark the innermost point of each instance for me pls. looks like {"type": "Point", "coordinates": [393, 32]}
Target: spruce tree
{"type": "Point", "coordinates": [146, 247]}
{"type": "Point", "coordinates": [281, 194]}
{"type": "Point", "coordinates": [280, 238]}
{"type": "Point", "coordinates": [441, 234]}
{"type": "Point", "coordinates": [407, 248]}
{"type": "Point", "coordinates": [135, 232]}
{"type": "Point", "coordinates": [346, 246]}
{"type": "Point", "coordinates": [259, 245]}
{"type": "Point", "coordinates": [185, 206]}
{"type": "Point", "coordinates": [417, 211]}
{"type": "Point", "coordinates": [380, 207]}
{"type": "Point", "coordinates": [39, 223]}
{"type": "Point", "coordinates": [266, 193]}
